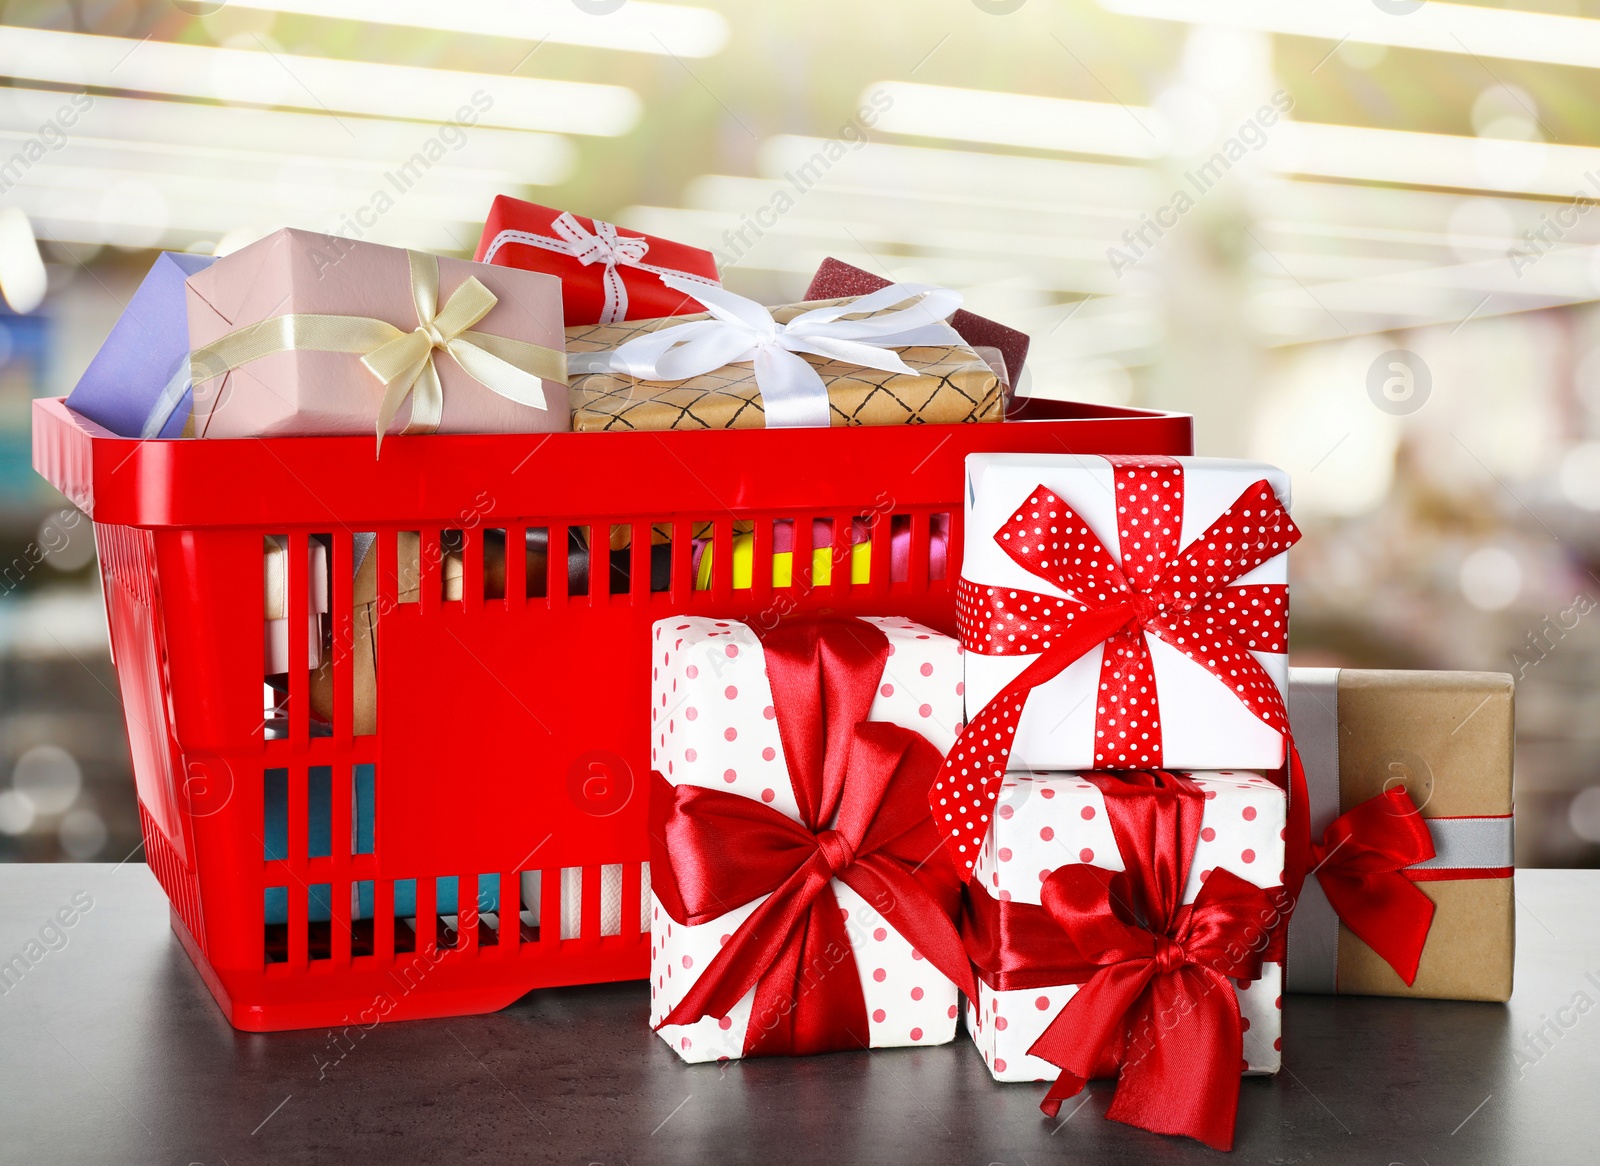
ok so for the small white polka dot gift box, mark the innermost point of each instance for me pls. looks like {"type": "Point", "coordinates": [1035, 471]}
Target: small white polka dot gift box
{"type": "Point", "coordinates": [801, 899]}
{"type": "Point", "coordinates": [1164, 538]}
{"type": "Point", "coordinates": [1047, 821]}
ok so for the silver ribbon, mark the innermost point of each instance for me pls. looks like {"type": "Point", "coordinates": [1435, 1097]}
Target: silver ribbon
{"type": "Point", "coordinates": [740, 330]}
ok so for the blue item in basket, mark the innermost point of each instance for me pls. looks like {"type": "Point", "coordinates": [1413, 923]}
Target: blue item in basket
{"type": "Point", "coordinates": [319, 812]}
{"type": "Point", "coordinates": [137, 385]}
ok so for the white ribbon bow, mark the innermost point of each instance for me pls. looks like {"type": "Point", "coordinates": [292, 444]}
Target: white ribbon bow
{"type": "Point", "coordinates": [740, 330]}
{"type": "Point", "coordinates": [602, 245]}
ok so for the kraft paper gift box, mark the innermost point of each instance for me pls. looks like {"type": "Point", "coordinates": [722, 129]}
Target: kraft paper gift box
{"type": "Point", "coordinates": [268, 363]}
{"type": "Point", "coordinates": [1445, 739]}
{"type": "Point", "coordinates": [948, 383]}
{"type": "Point", "coordinates": [137, 385]}
{"type": "Point", "coordinates": [1192, 550]}
{"type": "Point", "coordinates": [718, 735]}
{"type": "Point", "coordinates": [835, 278]}
{"type": "Point", "coordinates": [608, 273]}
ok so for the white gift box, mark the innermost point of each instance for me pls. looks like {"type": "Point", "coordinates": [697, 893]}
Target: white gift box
{"type": "Point", "coordinates": [713, 725]}
{"type": "Point", "coordinates": [1203, 724]}
{"type": "Point", "coordinates": [1049, 820]}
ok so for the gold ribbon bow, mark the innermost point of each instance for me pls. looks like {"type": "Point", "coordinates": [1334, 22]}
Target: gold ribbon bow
{"type": "Point", "coordinates": [403, 362]}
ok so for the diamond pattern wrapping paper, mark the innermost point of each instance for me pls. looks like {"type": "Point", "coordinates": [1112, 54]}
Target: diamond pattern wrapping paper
{"type": "Point", "coordinates": [953, 384]}
{"type": "Point", "coordinates": [1048, 820]}
{"type": "Point", "coordinates": [713, 725]}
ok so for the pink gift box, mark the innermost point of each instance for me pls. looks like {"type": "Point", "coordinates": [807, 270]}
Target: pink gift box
{"type": "Point", "coordinates": [313, 392]}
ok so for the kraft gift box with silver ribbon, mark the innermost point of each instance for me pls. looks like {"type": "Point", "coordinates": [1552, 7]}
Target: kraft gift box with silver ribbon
{"type": "Point", "coordinates": [1445, 738]}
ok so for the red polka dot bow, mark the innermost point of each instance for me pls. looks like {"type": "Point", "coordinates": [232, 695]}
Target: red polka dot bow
{"type": "Point", "coordinates": [1186, 597]}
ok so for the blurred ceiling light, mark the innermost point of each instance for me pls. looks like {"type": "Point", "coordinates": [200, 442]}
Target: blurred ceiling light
{"type": "Point", "coordinates": [1580, 475]}
{"type": "Point", "coordinates": [227, 134]}
{"type": "Point", "coordinates": [640, 27]}
{"type": "Point", "coordinates": [1315, 149]}
{"type": "Point", "coordinates": [316, 83]}
{"type": "Point", "coordinates": [1490, 578]}
{"type": "Point", "coordinates": [1019, 119]}
{"type": "Point", "coordinates": [1464, 29]}
{"type": "Point", "coordinates": [22, 276]}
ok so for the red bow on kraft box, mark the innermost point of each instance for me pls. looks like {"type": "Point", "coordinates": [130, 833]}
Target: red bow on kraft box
{"type": "Point", "coordinates": [1187, 597]}
{"type": "Point", "coordinates": [1359, 864]}
{"type": "Point", "coordinates": [608, 273]}
{"type": "Point", "coordinates": [713, 852]}
{"type": "Point", "coordinates": [1156, 1006]}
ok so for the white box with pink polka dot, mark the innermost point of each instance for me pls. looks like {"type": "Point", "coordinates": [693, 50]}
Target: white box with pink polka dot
{"type": "Point", "coordinates": [1193, 714]}
{"type": "Point", "coordinates": [1047, 820]}
{"type": "Point", "coordinates": [713, 725]}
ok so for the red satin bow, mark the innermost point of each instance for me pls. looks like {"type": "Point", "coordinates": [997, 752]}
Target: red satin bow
{"type": "Point", "coordinates": [1358, 862]}
{"type": "Point", "coordinates": [1184, 597]}
{"type": "Point", "coordinates": [712, 851]}
{"type": "Point", "coordinates": [1157, 999]}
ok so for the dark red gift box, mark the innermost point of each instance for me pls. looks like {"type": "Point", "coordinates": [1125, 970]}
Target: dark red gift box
{"type": "Point", "coordinates": [836, 278]}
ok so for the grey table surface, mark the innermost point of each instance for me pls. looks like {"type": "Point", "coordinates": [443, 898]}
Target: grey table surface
{"type": "Point", "coordinates": [112, 1051]}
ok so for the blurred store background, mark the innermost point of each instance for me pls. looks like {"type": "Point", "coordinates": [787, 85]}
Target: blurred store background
{"type": "Point", "coordinates": [1354, 237]}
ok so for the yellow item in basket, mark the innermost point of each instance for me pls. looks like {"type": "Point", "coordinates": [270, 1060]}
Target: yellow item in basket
{"type": "Point", "coordinates": [783, 565]}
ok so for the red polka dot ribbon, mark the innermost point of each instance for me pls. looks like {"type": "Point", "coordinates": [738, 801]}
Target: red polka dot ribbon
{"type": "Point", "coordinates": [712, 851]}
{"type": "Point", "coordinates": [1187, 597]}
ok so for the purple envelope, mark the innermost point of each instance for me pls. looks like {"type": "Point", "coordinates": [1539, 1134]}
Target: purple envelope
{"type": "Point", "coordinates": [137, 385]}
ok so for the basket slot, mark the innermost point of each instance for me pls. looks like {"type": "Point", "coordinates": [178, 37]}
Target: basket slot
{"type": "Point", "coordinates": [617, 558]}
{"type": "Point", "coordinates": [403, 912]}
{"type": "Point", "coordinates": [364, 925]}
{"type": "Point", "coordinates": [347, 637]}
{"type": "Point", "coordinates": [917, 560]}
{"type": "Point", "coordinates": [275, 901]}
{"type": "Point", "coordinates": [468, 914]}
{"type": "Point", "coordinates": [473, 579]}
{"type": "Point", "coordinates": [630, 911]}
{"type": "Point", "coordinates": [430, 555]}
{"type": "Point", "coordinates": [319, 925]}
{"type": "Point", "coordinates": [320, 831]}
{"type": "Point", "coordinates": [445, 887]}
{"type": "Point", "coordinates": [721, 558]}
{"type": "Point", "coordinates": [761, 560]}
{"type": "Point", "coordinates": [495, 564]}
{"type": "Point", "coordinates": [583, 566]}
{"type": "Point", "coordinates": [572, 902]}
{"type": "Point", "coordinates": [550, 911]}
{"type": "Point", "coordinates": [844, 550]}
{"type": "Point", "coordinates": [939, 558]}
{"type": "Point", "coordinates": [534, 563]}
{"type": "Point", "coordinates": [364, 809]}
{"type": "Point", "coordinates": [608, 909]}
{"type": "Point", "coordinates": [509, 924]}
{"type": "Point", "coordinates": [383, 919]}
{"type": "Point", "coordinates": [407, 567]}
{"type": "Point", "coordinates": [682, 581]}
{"type": "Point", "coordinates": [640, 580]}
{"type": "Point", "coordinates": [800, 548]}
{"type": "Point", "coordinates": [881, 525]}
{"type": "Point", "coordinates": [451, 567]}
{"type": "Point", "coordinates": [427, 917]}
{"type": "Point", "coordinates": [556, 573]}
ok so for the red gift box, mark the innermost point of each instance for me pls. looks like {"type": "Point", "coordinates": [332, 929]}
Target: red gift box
{"type": "Point", "coordinates": [607, 273]}
{"type": "Point", "coordinates": [836, 279]}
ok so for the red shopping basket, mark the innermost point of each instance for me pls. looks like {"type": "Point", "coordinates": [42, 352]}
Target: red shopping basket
{"type": "Point", "coordinates": [511, 732]}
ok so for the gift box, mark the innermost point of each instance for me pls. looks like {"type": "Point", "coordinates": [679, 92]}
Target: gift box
{"type": "Point", "coordinates": [301, 333]}
{"type": "Point", "coordinates": [801, 901]}
{"type": "Point", "coordinates": [1118, 613]}
{"type": "Point", "coordinates": [608, 273]}
{"type": "Point", "coordinates": [836, 279]}
{"type": "Point", "coordinates": [137, 385]}
{"type": "Point", "coordinates": [1410, 783]}
{"type": "Point", "coordinates": [276, 583]}
{"type": "Point", "coordinates": [1168, 974]}
{"type": "Point", "coordinates": [890, 358]}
